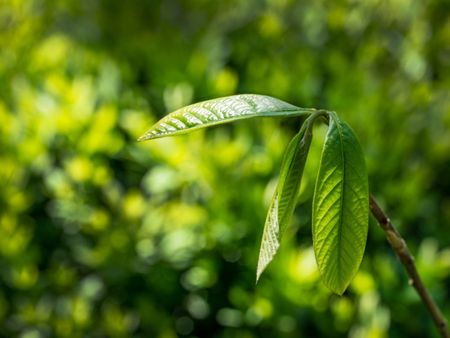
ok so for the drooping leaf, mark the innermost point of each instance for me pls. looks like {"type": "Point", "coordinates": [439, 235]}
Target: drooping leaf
{"type": "Point", "coordinates": [284, 199]}
{"type": "Point", "coordinates": [221, 110]}
{"type": "Point", "coordinates": [340, 207]}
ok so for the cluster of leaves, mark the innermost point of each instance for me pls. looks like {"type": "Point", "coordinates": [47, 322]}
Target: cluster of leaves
{"type": "Point", "coordinates": [341, 197]}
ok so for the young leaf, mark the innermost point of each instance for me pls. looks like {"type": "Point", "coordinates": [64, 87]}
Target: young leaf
{"type": "Point", "coordinates": [340, 207]}
{"type": "Point", "coordinates": [221, 110]}
{"type": "Point", "coordinates": [283, 202]}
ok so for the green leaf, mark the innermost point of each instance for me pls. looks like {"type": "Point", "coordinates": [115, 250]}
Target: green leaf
{"type": "Point", "coordinates": [340, 207]}
{"type": "Point", "coordinates": [221, 110]}
{"type": "Point", "coordinates": [284, 199]}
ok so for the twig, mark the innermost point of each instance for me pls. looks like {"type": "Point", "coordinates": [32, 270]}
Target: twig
{"type": "Point", "coordinates": [401, 249]}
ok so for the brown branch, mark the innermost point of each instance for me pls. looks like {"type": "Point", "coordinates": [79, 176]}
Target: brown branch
{"type": "Point", "coordinates": [401, 249]}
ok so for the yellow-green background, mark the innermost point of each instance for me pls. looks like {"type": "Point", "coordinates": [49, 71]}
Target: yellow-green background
{"type": "Point", "coordinates": [101, 236]}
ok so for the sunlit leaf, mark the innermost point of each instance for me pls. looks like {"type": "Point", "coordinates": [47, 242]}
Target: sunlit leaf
{"type": "Point", "coordinates": [283, 202]}
{"type": "Point", "coordinates": [221, 110]}
{"type": "Point", "coordinates": [340, 207]}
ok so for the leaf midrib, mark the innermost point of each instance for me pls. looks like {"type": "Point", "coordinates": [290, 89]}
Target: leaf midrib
{"type": "Point", "coordinates": [291, 166]}
{"type": "Point", "coordinates": [276, 113]}
{"type": "Point", "coordinates": [341, 200]}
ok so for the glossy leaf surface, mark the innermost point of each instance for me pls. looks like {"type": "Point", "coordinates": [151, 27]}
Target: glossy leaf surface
{"type": "Point", "coordinates": [221, 110]}
{"type": "Point", "coordinates": [340, 207]}
{"type": "Point", "coordinates": [284, 199]}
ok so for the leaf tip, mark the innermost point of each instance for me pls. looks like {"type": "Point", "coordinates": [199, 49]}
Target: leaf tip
{"type": "Point", "coordinates": [336, 288]}
{"type": "Point", "coordinates": [339, 291]}
{"type": "Point", "coordinates": [258, 274]}
{"type": "Point", "coordinates": [259, 271]}
{"type": "Point", "coordinates": [147, 136]}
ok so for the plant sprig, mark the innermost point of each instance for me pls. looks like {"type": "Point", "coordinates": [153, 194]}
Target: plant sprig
{"type": "Point", "coordinates": [340, 211]}
{"type": "Point", "coordinates": [341, 197]}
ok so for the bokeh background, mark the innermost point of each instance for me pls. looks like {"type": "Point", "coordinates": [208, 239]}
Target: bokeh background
{"type": "Point", "coordinates": [102, 236]}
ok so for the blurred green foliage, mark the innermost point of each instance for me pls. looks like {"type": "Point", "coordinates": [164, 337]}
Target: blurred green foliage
{"type": "Point", "coordinates": [101, 236]}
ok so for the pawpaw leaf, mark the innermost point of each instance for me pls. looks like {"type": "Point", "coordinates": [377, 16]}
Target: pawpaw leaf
{"type": "Point", "coordinates": [284, 200]}
{"type": "Point", "coordinates": [221, 110]}
{"type": "Point", "coordinates": [340, 207]}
